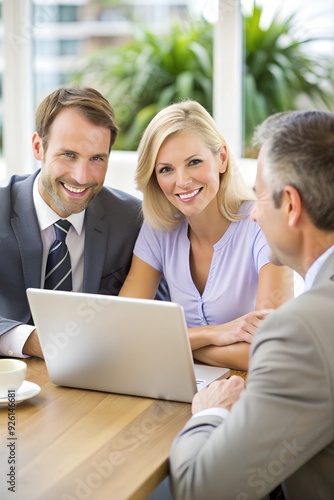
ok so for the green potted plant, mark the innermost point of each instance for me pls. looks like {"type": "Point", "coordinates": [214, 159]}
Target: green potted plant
{"type": "Point", "coordinates": [150, 72]}
{"type": "Point", "coordinates": [154, 70]}
{"type": "Point", "coordinates": [279, 71]}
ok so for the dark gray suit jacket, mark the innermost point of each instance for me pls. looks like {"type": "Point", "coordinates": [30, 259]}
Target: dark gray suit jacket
{"type": "Point", "coordinates": [113, 220]}
{"type": "Point", "coordinates": [281, 430]}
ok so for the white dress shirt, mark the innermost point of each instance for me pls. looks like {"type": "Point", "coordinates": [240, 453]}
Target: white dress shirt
{"type": "Point", "coordinates": [217, 411]}
{"type": "Point", "coordinates": [315, 268]}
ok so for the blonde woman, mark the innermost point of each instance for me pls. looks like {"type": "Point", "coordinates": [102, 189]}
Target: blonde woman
{"type": "Point", "coordinates": [198, 234]}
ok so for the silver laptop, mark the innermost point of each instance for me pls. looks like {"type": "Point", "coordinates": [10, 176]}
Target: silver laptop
{"type": "Point", "coordinates": [127, 346]}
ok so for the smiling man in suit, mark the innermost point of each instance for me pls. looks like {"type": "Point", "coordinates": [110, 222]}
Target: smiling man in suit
{"type": "Point", "coordinates": [75, 131]}
{"type": "Point", "coordinates": [242, 443]}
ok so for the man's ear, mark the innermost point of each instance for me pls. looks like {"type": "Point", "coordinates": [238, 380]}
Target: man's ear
{"type": "Point", "coordinates": [292, 205]}
{"type": "Point", "coordinates": [37, 147]}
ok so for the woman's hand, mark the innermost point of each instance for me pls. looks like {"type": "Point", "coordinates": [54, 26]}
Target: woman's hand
{"type": "Point", "coordinates": [239, 330]}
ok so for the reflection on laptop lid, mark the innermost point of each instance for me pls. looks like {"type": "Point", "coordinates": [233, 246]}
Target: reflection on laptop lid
{"type": "Point", "coordinates": [128, 346]}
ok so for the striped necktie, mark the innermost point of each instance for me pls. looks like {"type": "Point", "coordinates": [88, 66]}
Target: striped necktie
{"type": "Point", "coordinates": [58, 273]}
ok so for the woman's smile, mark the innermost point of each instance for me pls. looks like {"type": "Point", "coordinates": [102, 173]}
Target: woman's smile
{"type": "Point", "coordinates": [188, 172]}
{"type": "Point", "coordinates": [189, 195]}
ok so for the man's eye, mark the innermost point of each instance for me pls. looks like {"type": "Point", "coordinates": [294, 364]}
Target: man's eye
{"type": "Point", "coordinates": [69, 155]}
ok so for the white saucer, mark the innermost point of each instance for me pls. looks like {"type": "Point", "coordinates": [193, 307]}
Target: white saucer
{"type": "Point", "coordinates": [26, 391]}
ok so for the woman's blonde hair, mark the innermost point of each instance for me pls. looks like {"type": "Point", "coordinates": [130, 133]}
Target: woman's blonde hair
{"type": "Point", "coordinates": [187, 116]}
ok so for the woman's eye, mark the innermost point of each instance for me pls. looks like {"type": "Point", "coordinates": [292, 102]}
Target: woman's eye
{"type": "Point", "coordinates": [195, 161]}
{"type": "Point", "coordinates": [164, 170]}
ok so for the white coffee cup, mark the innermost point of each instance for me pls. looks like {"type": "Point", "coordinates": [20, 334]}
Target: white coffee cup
{"type": "Point", "coordinates": [12, 375]}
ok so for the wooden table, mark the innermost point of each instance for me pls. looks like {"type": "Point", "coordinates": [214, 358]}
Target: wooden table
{"type": "Point", "coordinates": [76, 444]}
{"type": "Point", "coordinates": [239, 373]}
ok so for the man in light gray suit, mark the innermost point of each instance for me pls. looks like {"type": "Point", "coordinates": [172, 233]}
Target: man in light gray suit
{"type": "Point", "coordinates": [242, 443]}
{"type": "Point", "coordinates": [75, 131]}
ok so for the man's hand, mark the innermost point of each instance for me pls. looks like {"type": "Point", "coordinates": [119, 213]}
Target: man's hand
{"type": "Point", "coordinates": [221, 393]}
{"type": "Point", "coordinates": [32, 347]}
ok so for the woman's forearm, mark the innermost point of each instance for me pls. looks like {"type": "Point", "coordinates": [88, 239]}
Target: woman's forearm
{"type": "Point", "coordinates": [199, 336]}
{"type": "Point", "coordinates": [234, 356]}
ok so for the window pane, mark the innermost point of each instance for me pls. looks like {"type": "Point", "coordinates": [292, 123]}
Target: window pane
{"type": "Point", "coordinates": [67, 31]}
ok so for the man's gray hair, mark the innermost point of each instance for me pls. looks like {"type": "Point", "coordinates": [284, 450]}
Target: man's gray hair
{"type": "Point", "coordinates": [298, 150]}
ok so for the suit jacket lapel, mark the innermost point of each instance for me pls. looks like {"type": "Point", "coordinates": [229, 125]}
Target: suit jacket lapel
{"type": "Point", "coordinates": [27, 232]}
{"type": "Point", "coordinates": [95, 246]}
